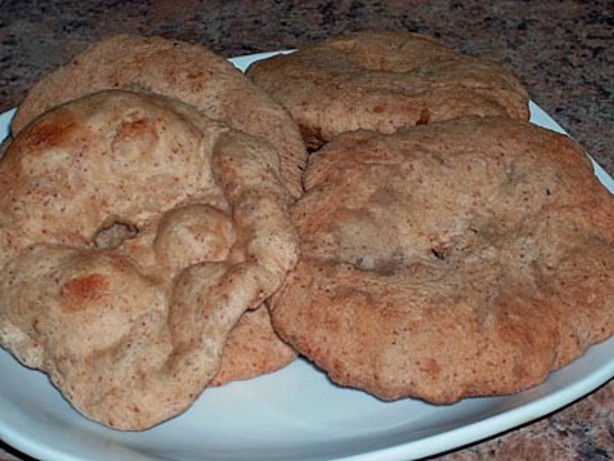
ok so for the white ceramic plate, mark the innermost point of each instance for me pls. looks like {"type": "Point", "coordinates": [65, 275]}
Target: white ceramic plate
{"type": "Point", "coordinates": [294, 414]}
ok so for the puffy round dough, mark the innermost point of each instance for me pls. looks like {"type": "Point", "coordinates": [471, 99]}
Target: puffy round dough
{"type": "Point", "coordinates": [462, 258]}
{"type": "Point", "coordinates": [134, 235]}
{"type": "Point", "coordinates": [385, 81]}
{"type": "Point", "coordinates": [190, 73]}
{"type": "Point", "coordinates": [193, 74]}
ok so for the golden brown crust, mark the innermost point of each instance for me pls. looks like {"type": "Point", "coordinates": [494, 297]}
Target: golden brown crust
{"type": "Point", "coordinates": [190, 73]}
{"type": "Point", "coordinates": [462, 258]}
{"type": "Point", "coordinates": [385, 81]}
{"type": "Point", "coordinates": [109, 278]}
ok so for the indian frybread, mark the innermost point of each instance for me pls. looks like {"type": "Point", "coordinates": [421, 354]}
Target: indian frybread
{"type": "Point", "coordinates": [197, 76]}
{"type": "Point", "coordinates": [468, 257]}
{"type": "Point", "coordinates": [135, 233]}
{"type": "Point", "coordinates": [385, 81]}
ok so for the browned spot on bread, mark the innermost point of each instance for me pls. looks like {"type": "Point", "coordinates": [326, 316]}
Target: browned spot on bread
{"type": "Point", "coordinates": [79, 291]}
{"type": "Point", "coordinates": [49, 135]}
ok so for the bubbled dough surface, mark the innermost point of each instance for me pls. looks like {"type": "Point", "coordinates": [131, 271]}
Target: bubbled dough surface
{"type": "Point", "coordinates": [111, 281]}
{"type": "Point", "coordinates": [192, 74]}
{"type": "Point", "coordinates": [189, 73]}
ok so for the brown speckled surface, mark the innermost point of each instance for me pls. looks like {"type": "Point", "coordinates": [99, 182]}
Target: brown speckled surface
{"type": "Point", "coordinates": [561, 50]}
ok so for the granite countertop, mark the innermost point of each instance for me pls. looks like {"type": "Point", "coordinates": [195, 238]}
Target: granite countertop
{"type": "Point", "coordinates": [561, 50]}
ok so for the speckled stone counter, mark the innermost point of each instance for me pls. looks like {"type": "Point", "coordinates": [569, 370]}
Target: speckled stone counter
{"type": "Point", "coordinates": [561, 50]}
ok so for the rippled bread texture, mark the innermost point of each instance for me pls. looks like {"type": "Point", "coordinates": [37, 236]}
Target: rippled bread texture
{"type": "Point", "coordinates": [190, 73]}
{"type": "Point", "coordinates": [385, 81]}
{"type": "Point", "coordinates": [463, 258]}
{"type": "Point", "coordinates": [134, 234]}
{"type": "Point", "coordinates": [195, 75]}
